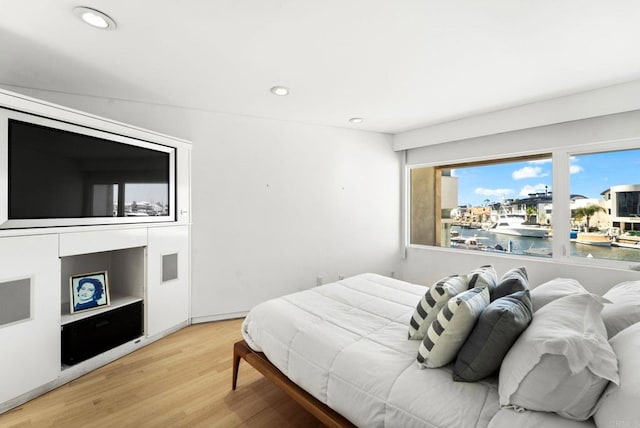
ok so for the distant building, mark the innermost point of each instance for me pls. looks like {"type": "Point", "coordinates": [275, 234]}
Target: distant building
{"type": "Point", "coordinates": [600, 219]}
{"type": "Point", "coordinates": [623, 205]}
{"type": "Point", "coordinates": [538, 207]}
{"type": "Point", "coordinates": [541, 204]}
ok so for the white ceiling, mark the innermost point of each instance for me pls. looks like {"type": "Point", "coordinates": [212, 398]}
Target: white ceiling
{"type": "Point", "coordinates": [399, 64]}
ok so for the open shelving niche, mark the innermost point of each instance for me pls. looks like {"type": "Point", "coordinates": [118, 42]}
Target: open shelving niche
{"type": "Point", "coordinates": [126, 273]}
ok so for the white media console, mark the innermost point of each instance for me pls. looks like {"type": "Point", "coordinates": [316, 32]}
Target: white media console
{"type": "Point", "coordinates": [147, 258]}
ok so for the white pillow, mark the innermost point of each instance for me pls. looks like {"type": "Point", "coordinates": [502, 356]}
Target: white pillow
{"type": "Point", "coordinates": [562, 362]}
{"type": "Point", "coordinates": [554, 290]}
{"type": "Point", "coordinates": [624, 309]}
{"type": "Point", "coordinates": [509, 418]}
{"type": "Point", "coordinates": [621, 404]}
{"type": "Point", "coordinates": [450, 329]}
{"type": "Point", "coordinates": [434, 299]}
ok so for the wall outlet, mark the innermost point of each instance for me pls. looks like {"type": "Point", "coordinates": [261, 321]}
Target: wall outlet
{"type": "Point", "coordinates": [393, 274]}
{"type": "Point", "coordinates": [319, 280]}
{"type": "Point", "coordinates": [340, 277]}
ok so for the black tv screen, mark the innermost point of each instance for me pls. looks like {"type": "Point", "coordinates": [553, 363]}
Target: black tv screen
{"type": "Point", "coordinates": [59, 174]}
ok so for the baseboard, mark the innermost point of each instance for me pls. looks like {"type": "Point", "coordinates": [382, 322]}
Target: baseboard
{"type": "Point", "coordinates": [219, 317]}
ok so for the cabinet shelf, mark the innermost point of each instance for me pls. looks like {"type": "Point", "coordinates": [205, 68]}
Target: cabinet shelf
{"type": "Point", "coordinates": [126, 276]}
{"type": "Point", "coordinates": [117, 301]}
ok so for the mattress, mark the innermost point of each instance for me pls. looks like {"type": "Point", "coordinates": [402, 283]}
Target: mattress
{"type": "Point", "coordinates": [346, 344]}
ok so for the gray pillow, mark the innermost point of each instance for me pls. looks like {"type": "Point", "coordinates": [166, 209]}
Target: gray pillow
{"type": "Point", "coordinates": [511, 282]}
{"type": "Point", "coordinates": [498, 327]}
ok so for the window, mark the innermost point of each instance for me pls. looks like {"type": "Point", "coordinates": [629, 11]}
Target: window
{"type": "Point", "coordinates": [605, 205]}
{"type": "Point", "coordinates": [138, 199]}
{"type": "Point", "coordinates": [503, 207]}
{"type": "Point", "coordinates": [145, 199]}
{"type": "Point", "coordinates": [627, 204]}
{"type": "Point", "coordinates": [507, 205]}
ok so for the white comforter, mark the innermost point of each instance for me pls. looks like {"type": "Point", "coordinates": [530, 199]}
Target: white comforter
{"type": "Point", "coordinates": [346, 344]}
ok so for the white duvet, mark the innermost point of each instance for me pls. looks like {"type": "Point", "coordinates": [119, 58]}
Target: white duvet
{"type": "Point", "coordinates": [346, 344]}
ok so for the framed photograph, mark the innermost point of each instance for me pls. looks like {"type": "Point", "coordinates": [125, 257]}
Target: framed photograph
{"type": "Point", "coordinates": [89, 291]}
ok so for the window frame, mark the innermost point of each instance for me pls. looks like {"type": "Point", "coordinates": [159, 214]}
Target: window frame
{"type": "Point", "coordinates": [561, 190]}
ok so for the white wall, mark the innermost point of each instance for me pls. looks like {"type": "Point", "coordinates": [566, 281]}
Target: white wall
{"type": "Point", "coordinates": [278, 204]}
{"type": "Point", "coordinates": [426, 265]}
{"type": "Point", "coordinates": [598, 102]}
{"type": "Point", "coordinates": [275, 204]}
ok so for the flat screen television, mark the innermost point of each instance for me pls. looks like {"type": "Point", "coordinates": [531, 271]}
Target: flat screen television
{"type": "Point", "coordinates": [61, 174]}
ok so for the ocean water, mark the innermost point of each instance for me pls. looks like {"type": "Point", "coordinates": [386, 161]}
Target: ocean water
{"type": "Point", "coordinates": [520, 244]}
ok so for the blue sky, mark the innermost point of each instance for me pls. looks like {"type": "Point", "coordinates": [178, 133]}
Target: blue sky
{"type": "Point", "coordinates": [590, 175]}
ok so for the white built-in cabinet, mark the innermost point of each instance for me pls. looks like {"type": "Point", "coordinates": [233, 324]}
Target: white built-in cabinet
{"type": "Point", "coordinates": [167, 294]}
{"type": "Point", "coordinates": [148, 265]}
{"type": "Point", "coordinates": [30, 338]}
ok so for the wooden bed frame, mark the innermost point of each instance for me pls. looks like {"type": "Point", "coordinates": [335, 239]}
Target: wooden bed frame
{"type": "Point", "coordinates": [259, 361]}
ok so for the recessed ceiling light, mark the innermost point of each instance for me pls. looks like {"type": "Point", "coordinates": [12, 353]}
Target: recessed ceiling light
{"type": "Point", "coordinates": [280, 90]}
{"type": "Point", "coordinates": [95, 18]}
{"type": "Point", "coordinates": [356, 120]}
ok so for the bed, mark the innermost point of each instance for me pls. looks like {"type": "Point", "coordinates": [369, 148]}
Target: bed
{"type": "Point", "coordinates": [345, 345]}
{"type": "Point", "coordinates": [342, 351]}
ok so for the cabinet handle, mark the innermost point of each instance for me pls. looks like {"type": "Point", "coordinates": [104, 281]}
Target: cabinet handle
{"type": "Point", "coordinates": [103, 323]}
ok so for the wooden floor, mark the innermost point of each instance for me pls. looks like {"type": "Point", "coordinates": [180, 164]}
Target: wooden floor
{"type": "Point", "coordinates": [183, 380]}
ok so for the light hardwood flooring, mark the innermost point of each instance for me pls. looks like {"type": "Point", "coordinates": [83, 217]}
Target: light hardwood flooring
{"type": "Point", "coordinates": [183, 380]}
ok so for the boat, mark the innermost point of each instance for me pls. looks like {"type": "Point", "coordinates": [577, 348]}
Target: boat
{"type": "Point", "coordinates": [515, 225]}
{"type": "Point", "coordinates": [541, 252]}
{"type": "Point", "coordinates": [535, 251]}
{"type": "Point", "coordinates": [635, 246]}
{"type": "Point", "coordinates": [628, 239]}
{"type": "Point", "coordinates": [468, 242]}
{"type": "Point", "coordinates": [594, 238]}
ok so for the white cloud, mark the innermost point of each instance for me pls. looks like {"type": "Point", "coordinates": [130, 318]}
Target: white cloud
{"type": "Point", "coordinates": [492, 192]}
{"type": "Point", "coordinates": [574, 169]}
{"type": "Point", "coordinates": [528, 172]}
{"type": "Point", "coordinates": [538, 188]}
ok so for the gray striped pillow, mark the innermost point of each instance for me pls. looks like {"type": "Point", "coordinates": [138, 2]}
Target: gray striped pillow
{"type": "Point", "coordinates": [484, 276]}
{"type": "Point", "coordinates": [448, 332]}
{"type": "Point", "coordinates": [435, 297]}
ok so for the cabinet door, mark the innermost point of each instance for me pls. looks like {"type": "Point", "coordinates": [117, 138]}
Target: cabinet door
{"type": "Point", "coordinates": [183, 179]}
{"type": "Point", "coordinates": [168, 290]}
{"type": "Point", "coordinates": [29, 313]}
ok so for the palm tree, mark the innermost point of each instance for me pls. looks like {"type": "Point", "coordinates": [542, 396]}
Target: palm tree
{"type": "Point", "coordinates": [587, 212]}
{"type": "Point", "coordinates": [531, 211]}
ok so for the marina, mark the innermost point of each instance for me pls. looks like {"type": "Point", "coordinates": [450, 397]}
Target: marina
{"type": "Point", "coordinates": [484, 240]}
